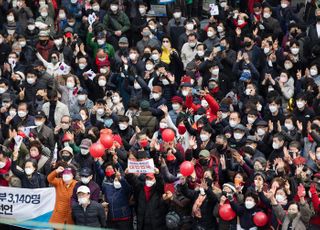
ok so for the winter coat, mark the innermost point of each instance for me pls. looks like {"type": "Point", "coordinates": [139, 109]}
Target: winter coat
{"type": "Point", "coordinates": [60, 110]}
{"type": "Point", "coordinates": [93, 216]}
{"type": "Point", "coordinates": [145, 121]}
{"type": "Point", "coordinates": [118, 199]}
{"type": "Point", "coordinates": [300, 222]}
{"type": "Point", "coordinates": [150, 214]}
{"type": "Point", "coordinates": [94, 191]}
{"type": "Point", "coordinates": [62, 209]}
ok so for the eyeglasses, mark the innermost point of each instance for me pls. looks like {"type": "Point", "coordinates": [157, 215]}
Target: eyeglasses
{"type": "Point", "coordinates": [165, 41]}
{"type": "Point", "coordinates": [64, 122]}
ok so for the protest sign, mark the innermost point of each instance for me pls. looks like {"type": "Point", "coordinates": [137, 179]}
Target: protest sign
{"type": "Point", "coordinates": [146, 166]}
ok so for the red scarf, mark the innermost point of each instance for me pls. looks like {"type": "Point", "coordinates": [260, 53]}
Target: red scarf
{"type": "Point", "coordinates": [310, 138]}
{"type": "Point", "coordinates": [105, 62]}
{"type": "Point", "coordinates": [147, 192]}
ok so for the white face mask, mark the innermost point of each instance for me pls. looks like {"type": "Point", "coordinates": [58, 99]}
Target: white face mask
{"type": "Point", "coordinates": [101, 42]}
{"type": "Point", "coordinates": [10, 18]}
{"type": "Point", "coordinates": [38, 123]}
{"type": "Point", "coordinates": [238, 136]}
{"type": "Point", "coordinates": [175, 107]}
{"type": "Point", "coordinates": [275, 145]}
{"type": "Point", "coordinates": [62, 15]}
{"type": "Point", "coordinates": [240, 22]}
{"type": "Point", "coordinates": [67, 177]}
{"type": "Point", "coordinates": [96, 8]}
{"type": "Point", "coordinates": [215, 71]}
{"type": "Point", "coordinates": [224, 115]}
{"type": "Point", "coordinates": [223, 4]}
{"type": "Point", "coordinates": [30, 80]}
{"type": "Point", "coordinates": [204, 103]}
{"type": "Point", "coordinates": [287, 66]}
{"type": "Point", "coordinates": [266, 50]}
{"type": "Point", "coordinates": [2, 164]}
{"type": "Point", "coordinates": [70, 85]}
{"type": "Point", "coordinates": [22, 113]}
{"type": "Point", "coordinates": [117, 184]}
{"type": "Point", "coordinates": [197, 117]}
{"type": "Point", "coordinates": [31, 27]}
{"type": "Point", "coordinates": [156, 95]}
{"type": "Point", "coordinates": [300, 104]}
{"type": "Point", "coordinates": [251, 120]}
{"type": "Point", "coordinates": [220, 29]}
{"type": "Point", "coordinates": [2, 90]}
{"type": "Point", "coordinates": [150, 183]}
{"type": "Point", "coordinates": [155, 57]}
{"type": "Point", "coordinates": [28, 171]}
{"type": "Point", "coordinates": [65, 126]}
{"type": "Point", "coordinates": [102, 83]}
{"type": "Point", "coordinates": [103, 70]}
{"type": "Point", "coordinates": [249, 204]}
{"type": "Point", "coordinates": [248, 92]}
{"type": "Point", "coordinates": [22, 43]}
{"type": "Point", "coordinates": [165, 82]}
{"type": "Point", "coordinates": [163, 125]}
{"type": "Point", "coordinates": [116, 100]}
{"type": "Point", "coordinates": [82, 66]}
{"type": "Point", "coordinates": [100, 112]}
{"type": "Point", "coordinates": [149, 67]}
{"type": "Point", "coordinates": [232, 124]}
{"type": "Point", "coordinates": [177, 15]}
{"type": "Point", "coordinates": [142, 10]}
{"type": "Point", "coordinates": [189, 26]}
{"type": "Point", "coordinates": [313, 72]}
{"type": "Point", "coordinates": [210, 34]}
{"type": "Point", "coordinates": [12, 113]}
{"type": "Point", "coordinates": [122, 126]}
{"type": "Point", "coordinates": [132, 56]}
{"type": "Point", "coordinates": [273, 108]}
{"type": "Point", "coordinates": [84, 151]}
{"type": "Point", "coordinates": [113, 8]}
{"type": "Point", "coordinates": [261, 132]}
{"type": "Point", "coordinates": [294, 51]}
{"type": "Point", "coordinates": [200, 53]}
{"type": "Point", "coordinates": [280, 198]}
{"type": "Point", "coordinates": [204, 137]}
{"type": "Point", "coordinates": [289, 126]}
{"type": "Point", "coordinates": [266, 15]}
{"type": "Point", "coordinates": [83, 200]}
{"type": "Point", "coordinates": [284, 5]}
{"type": "Point", "coordinates": [185, 93]}
{"type": "Point", "coordinates": [44, 14]}
{"type": "Point", "coordinates": [136, 85]}
{"type": "Point", "coordinates": [85, 180]}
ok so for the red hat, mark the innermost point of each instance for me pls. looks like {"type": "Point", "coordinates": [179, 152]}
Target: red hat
{"type": "Point", "coordinates": [186, 81]}
{"type": "Point", "coordinates": [317, 175]}
{"type": "Point", "coordinates": [150, 175]}
{"type": "Point", "coordinates": [299, 160]}
{"type": "Point", "coordinates": [177, 99]}
{"type": "Point", "coordinates": [117, 138]}
{"type": "Point", "coordinates": [68, 35]}
{"type": "Point", "coordinates": [66, 137]}
{"type": "Point", "coordinates": [170, 157]}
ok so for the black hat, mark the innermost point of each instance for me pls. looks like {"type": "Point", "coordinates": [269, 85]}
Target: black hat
{"type": "Point", "coordinates": [262, 123]}
{"type": "Point", "coordinates": [6, 97]}
{"type": "Point", "coordinates": [40, 114]}
{"type": "Point", "coordinates": [224, 108]}
{"type": "Point", "coordinates": [85, 172]}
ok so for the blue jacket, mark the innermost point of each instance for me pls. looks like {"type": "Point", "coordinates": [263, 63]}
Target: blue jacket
{"type": "Point", "coordinates": [118, 199]}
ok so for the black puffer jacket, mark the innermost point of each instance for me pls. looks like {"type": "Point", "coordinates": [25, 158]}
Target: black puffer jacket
{"type": "Point", "coordinates": [93, 216]}
{"type": "Point", "coordinates": [150, 214]}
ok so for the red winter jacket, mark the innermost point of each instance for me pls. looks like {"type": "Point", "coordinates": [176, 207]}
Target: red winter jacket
{"type": "Point", "coordinates": [316, 206]}
{"type": "Point", "coordinates": [211, 112]}
{"type": "Point", "coordinates": [3, 171]}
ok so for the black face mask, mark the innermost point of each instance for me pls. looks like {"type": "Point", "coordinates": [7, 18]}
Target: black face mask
{"type": "Point", "coordinates": [66, 158]}
{"type": "Point", "coordinates": [43, 42]}
{"type": "Point", "coordinates": [39, 98]}
{"type": "Point", "coordinates": [209, 181]}
{"type": "Point", "coordinates": [247, 44]}
{"type": "Point", "coordinates": [124, 50]}
{"type": "Point", "coordinates": [219, 147]}
{"type": "Point", "coordinates": [203, 162]}
{"type": "Point", "coordinates": [53, 102]}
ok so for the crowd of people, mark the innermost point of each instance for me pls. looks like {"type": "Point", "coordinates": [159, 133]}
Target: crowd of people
{"type": "Point", "coordinates": [238, 87]}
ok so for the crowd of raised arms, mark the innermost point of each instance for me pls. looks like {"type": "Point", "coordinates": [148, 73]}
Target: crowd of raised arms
{"type": "Point", "coordinates": [223, 98]}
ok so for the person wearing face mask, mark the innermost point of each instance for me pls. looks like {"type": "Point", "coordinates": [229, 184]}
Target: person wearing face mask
{"type": "Point", "coordinates": [116, 192]}
{"type": "Point", "coordinates": [277, 145]}
{"type": "Point", "coordinates": [66, 156]}
{"type": "Point", "coordinates": [23, 117]}
{"type": "Point", "coordinates": [64, 189]}
{"type": "Point", "coordinates": [46, 17]}
{"type": "Point", "coordinates": [238, 138]}
{"type": "Point", "coordinates": [117, 104]}
{"type": "Point", "coordinates": [83, 102]}
{"type": "Point", "coordinates": [29, 178]}
{"type": "Point", "coordinates": [44, 46]}
{"type": "Point", "coordinates": [28, 55]}
{"type": "Point", "coordinates": [246, 210]}
{"type": "Point", "coordinates": [126, 131]}
{"type": "Point", "coordinates": [205, 161]}
{"type": "Point", "coordinates": [83, 158]}
{"type": "Point", "coordinates": [274, 112]}
{"type": "Point", "coordinates": [149, 195]}
{"type": "Point", "coordinates": [139, 89]}
{"type": "Point", "coordinates": [116, 21]}
{"type": "Point", "coordinates": [177, 108]}
{"type": "Point", "coordinates": [298, 214]}
{"type": "Point", "coordinates": [86, 179]}
{"type": "Point", "coordinates": [88, 207]}
{"type": "Point", "coordinates": [270, 23]}
{"type": "Point", "coordinates": [175, 26]}
{"type": "Point", "coordinates": [188, 50]}
{"type": "Point", "coordinates": [42, 130]}
{"type": "Point", "coordinates": [139, 22]}
{"type": "Point", "coordinates": [99, 43]}
{"type": "Point", "coordinates": [40, 154]}
{"type": "Point", "coordinates": [5, 166]}
{"type": "Point", "coordinates": [302, 112]}
{"type": "Point", "coordinates": [147, 40]}
{"type": "Point", "coordinates": [212, 38]}
{"type": "Point", "coordinates": [31, 32]}
{"type": "Point", "coordinates": [122, 51]}
{"type": "Point", "coordinates": [264, 138]}
{"type": "Point", "coordinates": [157, 100]}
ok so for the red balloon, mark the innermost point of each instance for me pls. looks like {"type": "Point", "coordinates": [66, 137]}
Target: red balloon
{"type": "Point", "coordinates": [97, 150]}
{"type": "Point", "coordinates": [168, 135]}
{"type": "Point", "coordinates": [186, 168]}
{"type": "Point", "coordinates": [260, 219]}
{"type": "Point", "coordinates": [226, 212]}
{"type": "Point", "coordinates": [106, 140]}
